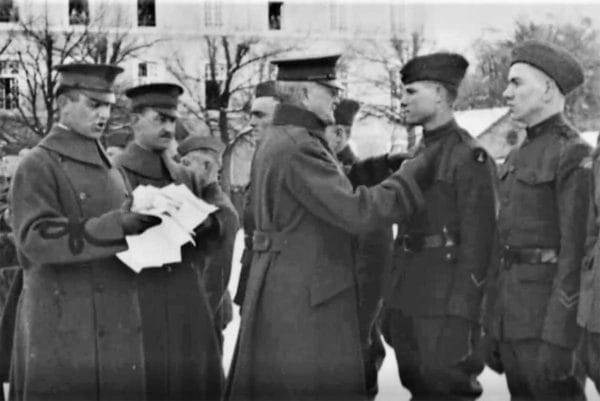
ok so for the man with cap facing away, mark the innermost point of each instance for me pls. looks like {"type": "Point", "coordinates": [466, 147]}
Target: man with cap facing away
{"type": "Point", "coordinates": [299, 335]}
{"type": "Point", "coordinates": [202, 154]}
{"type": "Point", "coordinates": [77, 327]}
{"type": "Point", "coordinates": [181, 350]}
{"type": "Point", "coordinates": [433, 294]}
{"type": "Point", "coordinates": [374, 249]}
{"type": "Point", "coordinates": [542, 224]}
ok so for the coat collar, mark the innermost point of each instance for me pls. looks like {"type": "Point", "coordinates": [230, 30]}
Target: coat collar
{"type": "Point", "coordinates": [73, 145]}
{"type": "Point", "coordinates": [144, 162]}
{"type": "Point", "coordinates": [436, 134]}
{"type": "Point", "coordinates": [287, 114]}
{"type": "Point", "coordinates": [548, 125]}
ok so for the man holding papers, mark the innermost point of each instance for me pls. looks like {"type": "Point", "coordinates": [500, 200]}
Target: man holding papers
{"type": "Point", "coordinates": [181, 350]}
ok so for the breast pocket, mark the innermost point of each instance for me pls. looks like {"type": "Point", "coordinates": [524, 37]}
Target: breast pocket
{"type": "Point", "coordinates": [534, 193]}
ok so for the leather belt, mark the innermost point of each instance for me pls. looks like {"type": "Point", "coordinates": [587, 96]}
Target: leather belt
{"type": "Point", "coordinates": [268, 241]}
{"type": "Point", "coordinates": [416, 243]}
{"type": "Point", "coordinates": [531, 256]}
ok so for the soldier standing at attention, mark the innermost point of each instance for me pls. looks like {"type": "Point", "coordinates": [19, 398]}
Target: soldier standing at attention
{"type": "Point", "coordinates": [77, 333]}
{"type": "Point", "coordinates": [434, 293]}
{"type": "Point", "coordinates": [182, 356]}
{"type": "Point", "coordinates": [544, 186]}
{"type": "Point", "coordinates": [299, 335]}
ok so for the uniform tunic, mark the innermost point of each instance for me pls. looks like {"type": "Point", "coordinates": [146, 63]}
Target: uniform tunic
{"type": "Point", "coordinates": [78, 327]}
{"type": "Point", "coordinates": [543, 205]}
{"type": "Point", "coordinates": [181, 350]}
{"type": "Point", "coordinates": [299, 336]}
{"type": "Point", "coordinates": [434, 294]}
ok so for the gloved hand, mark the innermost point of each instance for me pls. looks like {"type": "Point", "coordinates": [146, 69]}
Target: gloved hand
{"type": "Point", "coordinates": [490, 348]}
{"type": "Point", "coordinates": [208, 228]}
{"type": "Point", "coordinates": [136, 223]}
{"type": "Point", "coordinates": [555, 362]}
{"type": "Point", "coordinates": [421, 167]}
{"type": "Point", "coordinates": [394, 161]}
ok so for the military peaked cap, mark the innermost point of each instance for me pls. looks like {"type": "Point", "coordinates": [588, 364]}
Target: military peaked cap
{"type": "Point", "coordinates": [554, 61]}
{"type": "Point", "coordinates": [447, 68]}
{"type": "Point", "coordinates": [95, 80]}
{"type": "Point", "coordinates": [163, 97]}
{"type": "Point", "coordinates": [320, 69]}
{"type": "Point", "coordinates": [345, 111]}
{"type": "Point", "coordinates": [195, 142]}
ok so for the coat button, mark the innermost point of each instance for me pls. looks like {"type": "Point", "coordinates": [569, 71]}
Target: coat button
{"type": "Point", "coordinates": [101, 332]}
{"type": "Point", "coordinates": [83, 196]}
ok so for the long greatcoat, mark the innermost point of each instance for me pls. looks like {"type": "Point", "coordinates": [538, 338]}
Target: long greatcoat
{"type": "Point", "coordinates": [299, 336]}
{"type": "Point", "coordinates": [183, 359]}
{"type": "Point", "coordinates": [78, 323]}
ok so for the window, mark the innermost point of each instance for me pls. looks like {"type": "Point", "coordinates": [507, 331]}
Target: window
{"type": "Point", "coordinates": [78, 12]}
{"type": "Point", "coordinates": [275, 15]}
{"type": "Point", "coordinates": [337, 14]}
{"type": "Point", "coordinates": [147, 72]}
{"type": "Point", "coordinates": [9, 66]}
{"type": "Point", "coordinates": [146, 10]}
{"type": "Point", "coordinates": [213, 17]}
{"type": "Point", "coordinates": [9, 93]}
{"type": "Point", "coordinates": [212, 87]}
{"type": "Point", "coordinates": [8, 12]}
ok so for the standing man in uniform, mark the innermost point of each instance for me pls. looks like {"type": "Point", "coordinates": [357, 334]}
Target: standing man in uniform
{"type": "Point", "coordinates": [181, 351]}
{"type": "Point", "coordinates": [544, 196]}
{"type": "Point", "coordinates": [441, 256]}
{"type": "Point", "coordinates": [261, 116]}
{"type": "Point", "coordinates": [203, 155]}
{"type": "Point", "coordinates": [77, 326]}
{"type": "Point", "coordinates": [374, 249]}
{"type": "Point", "coordinates": [299, 336]}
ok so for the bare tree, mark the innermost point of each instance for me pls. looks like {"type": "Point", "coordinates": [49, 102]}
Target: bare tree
{"type": "Point", "coordinates": [232, 66]}
{"type": "Point", "coordinates": [43, 46]}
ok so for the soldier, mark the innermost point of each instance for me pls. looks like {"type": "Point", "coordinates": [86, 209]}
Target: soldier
{"type": "Point", "coordinates": [77, 325]}
{"type": "Point", "coordinates": [203, 154]}
{"type": "Point", "coordinates": [181, 350]}
{"type": "Point", "coordinates": [374, 249]}
{"type": "Point", "coordinates": [299, 335]}
{"type": "Point", "coordinates": [531, 326]}
{"type": "Point", "coordinates": [261, 116]}
{"type": "Point", "coordinates": [237, 158]}
{"type": "Point", "coordinates": [433, 295]}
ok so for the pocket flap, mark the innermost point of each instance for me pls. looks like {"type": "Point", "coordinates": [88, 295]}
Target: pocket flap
{"type": "Point", "coordinates": [325, 290]}
{"type": "Point", "coordinates": [534, 176]}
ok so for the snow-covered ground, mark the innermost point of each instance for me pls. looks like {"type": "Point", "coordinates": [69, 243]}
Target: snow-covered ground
{"type": "Point", "coordinates": [390, 389]}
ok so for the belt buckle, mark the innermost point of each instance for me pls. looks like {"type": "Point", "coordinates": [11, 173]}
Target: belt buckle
{"type": "Point", "coordinates": [406, 244]}
{"type": "Point", "coordinates": [261, 242]}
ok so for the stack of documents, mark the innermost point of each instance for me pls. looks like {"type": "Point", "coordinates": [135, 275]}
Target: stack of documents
{"type": "Point", "coordinates": [180, 210]}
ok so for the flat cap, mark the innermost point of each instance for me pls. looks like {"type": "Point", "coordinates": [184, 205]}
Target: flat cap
{"type": "Point", "coordinates": [345, 111]}
{"type": "Point", "coordinates": [119, 138]}
{"type": "Point", "coordinates": [554, 61]}
{"type": "Point", "coordinates": [163, 97]}
{"type": "Point", "coordinates": [264, 89]}
{"type": "Point", "coordinates": [95, 80]}
{"type": "Point", "coordinates": [195, 142]}
{"type": "Point", "coordinates": [447, 68]}
{"type": "Point", "coordinates": [320, 69]}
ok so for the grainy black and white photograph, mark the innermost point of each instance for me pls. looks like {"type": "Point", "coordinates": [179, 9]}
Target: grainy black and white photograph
{"type": "Point", "coordinates": [299, 200]}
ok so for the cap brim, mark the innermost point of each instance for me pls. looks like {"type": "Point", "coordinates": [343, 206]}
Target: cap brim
{"type": "Point", "coordinates": [104, 97]}
{"type": "Point", "coordinates": [167, 111]}
{"type": "Point", "coordinates": [332, 84]}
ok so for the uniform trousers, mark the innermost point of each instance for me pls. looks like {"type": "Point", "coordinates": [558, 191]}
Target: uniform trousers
{"type": "Point", "coordinates": [438, 357]}
{"type": "Point", "coordinates": [589, 351]}
{"type": "Point", "coordinates": [526, 382]}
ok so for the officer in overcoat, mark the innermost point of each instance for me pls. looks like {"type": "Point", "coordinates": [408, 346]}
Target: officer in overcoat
{"type": "Point", "coordinates": [433, 295]}
{"type": "Point", "coordinates": [77, 333]}
{"type": "Point", "coordinates": [299, 334]}
{"type": "Point", "coordinates": [182, 355]}
{"type": "Point", "coordinates": [544, 197]}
